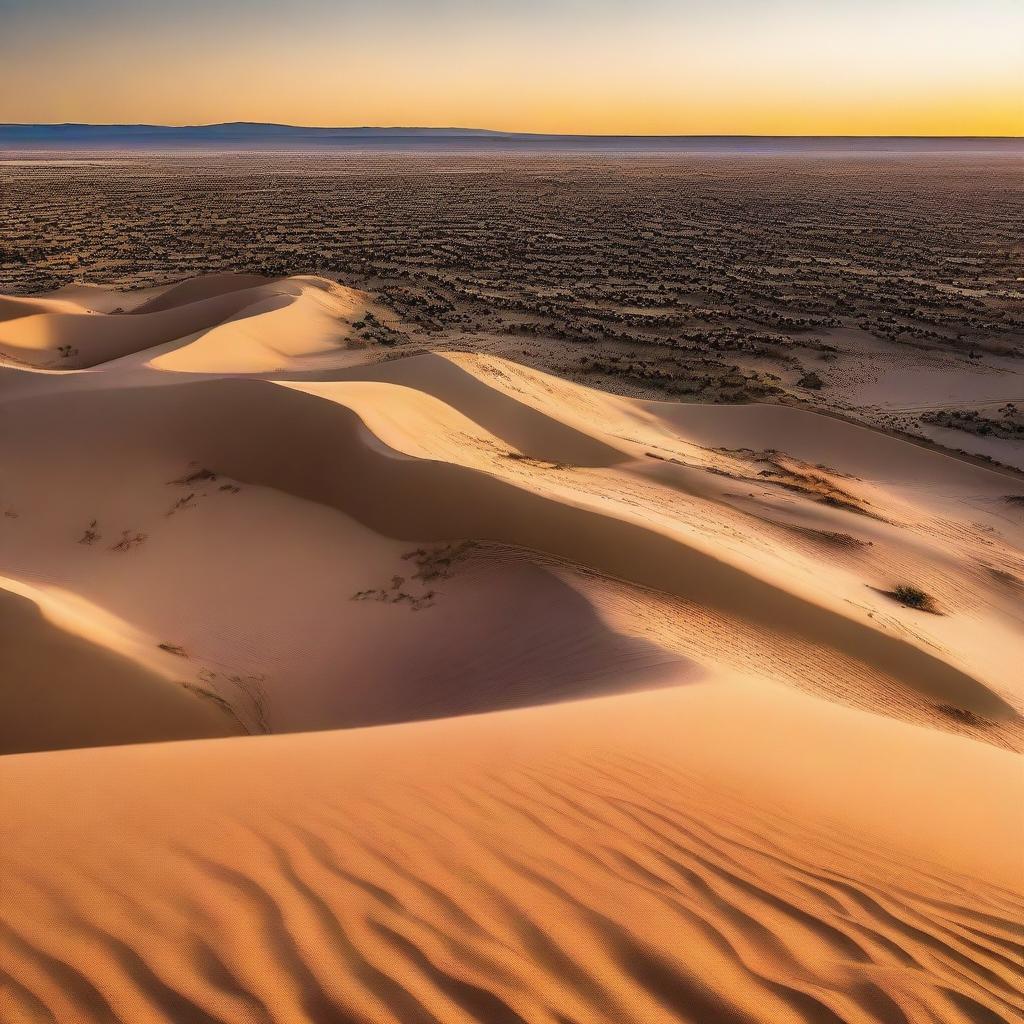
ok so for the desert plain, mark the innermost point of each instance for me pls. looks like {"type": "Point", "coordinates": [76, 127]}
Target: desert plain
{"type": "Point", "coordinates": [534, 589]}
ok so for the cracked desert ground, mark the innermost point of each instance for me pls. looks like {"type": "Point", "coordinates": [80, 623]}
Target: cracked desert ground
{"type": "Point", "coordinates": [542, 589]}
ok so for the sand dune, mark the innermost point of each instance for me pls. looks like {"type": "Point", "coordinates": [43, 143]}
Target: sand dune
{"type": "Point", "coordinates": [259, 433]}
{"type": "Point", "coordinates": [55, 337]}
{"type": "Point", "coordinates": [602, 710]}
{"type": "Point", "coordinates": [654, 858]}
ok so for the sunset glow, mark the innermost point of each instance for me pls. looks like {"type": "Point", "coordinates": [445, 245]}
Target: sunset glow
{"type": "Point", "coordinates": [649, 67]}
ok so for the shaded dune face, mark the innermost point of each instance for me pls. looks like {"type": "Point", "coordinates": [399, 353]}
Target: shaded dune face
{"type": "Point", "coordinates": [89, 340]}
{"type": "Point", "coordinates": [534, 640]}
{"type": "Point", "coordinates": [259, 433]}
{"type": "Point", "coordinates": [597, 710]}
{"type": "Point", "coordinates": [60, 690]}
{"type": "Point", "coordinates": [504, 632]}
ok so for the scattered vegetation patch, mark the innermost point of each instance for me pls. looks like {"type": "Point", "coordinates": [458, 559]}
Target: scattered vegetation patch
{"type": "Point", "coordinates": [215, 698]}
{"type": "Point", "coordinates": [182, 503]}
{"type": "Point", "coordinates": [373, 330]}
{"type": "Point", "coordinates": [667, 458]}
{"type": "Point", "coordinates": [173, 649]}
{"type": "Point", "coordinates": [128, 541]}
{"type": "Point", "coordinates": [437, 563]}
{"type": "Point", "coordinates": [198, 476]}
{"type": "Point", "coordinates": [627, 275]}
{"type": "Point", "coordinates": [962, 715]}
{"type": "Point", "coordinates": [394, 594]}
{"type": "Point", "coordinates": [834, 501]}
{"type": "Point", "coordinates": [540, 463]}
{"type": "Point", "coordinates": [840, 540]}
{"type": "Point", "coordinates": [249, 704]}
{"type": "Point", "coordinates": [797, 477]}
{"type": "Point", "coordinates": [913, 597]}
{"type": "Point", "coordinates": [431, 564]}
{"type": "Point", "coordinates": [833, 538]}
{"type": "Point", "coordinates": [1007, 424]}
{"type": "Point", "coordinates": [194, 478]}
{"type": "Point", "coordinates": [90, 535]}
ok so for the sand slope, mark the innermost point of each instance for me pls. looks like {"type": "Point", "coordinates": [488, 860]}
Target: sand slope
{"type": "Point", "coordinates": [601, 710]}
{"type": "Point", "coordinates": [655, 858]}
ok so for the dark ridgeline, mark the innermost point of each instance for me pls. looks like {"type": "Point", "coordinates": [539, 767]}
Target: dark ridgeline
{"type": "Point", "coordinates": [247, 136]}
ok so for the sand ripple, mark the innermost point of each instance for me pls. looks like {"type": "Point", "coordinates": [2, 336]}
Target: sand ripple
{"type": "Point", "coordinates": [578, 881]}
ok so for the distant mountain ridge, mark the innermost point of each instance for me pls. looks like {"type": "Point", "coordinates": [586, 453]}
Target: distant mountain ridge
{"type": "Point", "coordinates": [228, 129]}
{"type": "Point", "coordinates": [256, 136]}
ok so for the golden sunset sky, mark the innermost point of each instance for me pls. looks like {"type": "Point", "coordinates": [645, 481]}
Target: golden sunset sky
{"type": "Point", "coordinates": [833, 67]}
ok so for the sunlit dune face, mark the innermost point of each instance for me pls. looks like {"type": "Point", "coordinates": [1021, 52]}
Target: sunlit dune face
{"type": "Point", "coordinates": [646, 68]}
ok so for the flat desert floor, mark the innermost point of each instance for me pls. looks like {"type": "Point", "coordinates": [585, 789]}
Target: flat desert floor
{"type": "Point", "coordinates": [358, 670]}
{"type": "Point", "coordinates": [887, 288]}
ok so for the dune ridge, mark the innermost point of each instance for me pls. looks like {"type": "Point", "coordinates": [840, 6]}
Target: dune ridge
{"type": "Point", "coordinates": [51, 333]}
{"type": "Point", "coordinates": [597, 709]}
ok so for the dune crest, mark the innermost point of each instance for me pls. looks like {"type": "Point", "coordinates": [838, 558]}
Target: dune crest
{"type": "Point", "coordinates": [58, 334]}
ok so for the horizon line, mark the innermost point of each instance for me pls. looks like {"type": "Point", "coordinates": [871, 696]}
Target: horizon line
{"type": "Point", "coordinates": [481, 131]}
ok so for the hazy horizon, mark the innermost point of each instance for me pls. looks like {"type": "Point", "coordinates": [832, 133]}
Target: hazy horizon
{"type": "Point", "coordinates": [473, 129]}
{"type": "Point", "coordinates": [240, 138]}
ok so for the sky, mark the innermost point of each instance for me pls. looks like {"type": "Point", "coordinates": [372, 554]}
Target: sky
{"type": "Point", "coordinates": [758, 67]}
